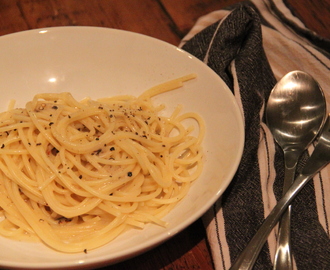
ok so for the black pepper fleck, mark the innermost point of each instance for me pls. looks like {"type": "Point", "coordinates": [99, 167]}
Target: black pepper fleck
{"type": "Point", "coordinates": [97, 152]}
{"type": "Point", "coordinates": [54, 151]}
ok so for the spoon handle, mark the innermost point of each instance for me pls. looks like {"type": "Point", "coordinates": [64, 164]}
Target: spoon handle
{"type": "Point", "coordinates": [283, 257]}
{"type": "Point", "coordinates": [319, 159]}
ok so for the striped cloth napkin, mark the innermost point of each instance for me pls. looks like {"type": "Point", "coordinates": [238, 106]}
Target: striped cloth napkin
{"type": "Point", "coordinates": [250, 46]}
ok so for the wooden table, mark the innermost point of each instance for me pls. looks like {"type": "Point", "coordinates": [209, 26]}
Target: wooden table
{"type": "Point", "coordinates": [168, 20]}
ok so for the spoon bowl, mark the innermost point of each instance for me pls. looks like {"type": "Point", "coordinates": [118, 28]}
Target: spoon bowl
{"type": "Point", "coordinates": [295, 111]}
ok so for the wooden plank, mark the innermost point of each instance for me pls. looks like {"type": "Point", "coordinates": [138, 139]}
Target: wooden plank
{"type": "Point", "coordinates": [315, 14]}
{"type": "Point", "coordinates": [11, 19]}
{"type": "Point", "coordinates": [167, 20]}
{"type": "Point", "coordinates": [187, 250]}
{"type": "Point", "coordinates": [146, 17]}
{"type": "Point", "coordinates": [185, 13]}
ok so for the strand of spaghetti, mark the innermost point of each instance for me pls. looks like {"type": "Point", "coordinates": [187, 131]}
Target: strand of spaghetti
{"type": "Point", "coordinates": [110, 208]}
{"type": "Point", "coordinates": [10, 233]}
{"type": "Point", "coordinates": [196, 157]}
{"type": "Point", "coordinates": [76, 162]}
{"type": "Point", "coordinates": [81, 208]}
{"type": "Point", "coordinates": [44, 231]}
{"type": "Point", "coordinates": [145, 157]}
{"type": "Point", "coordinates": [40, 228]}
{"type": "Point", "coordinates": [19, 177]}
{"type": "Point", "coordinates": [146, 217]}
{"type": "Point", "coordinates": [20, 223]}
{"type": "Point", "coordinates": [62, 180]}
{"type": "Point", "coordinates": [5, 202]}
{"type": "Point", "coordinates": [121, 182]}
{"type": "Point", "coordinates": [87, 148]}
{"type": "Point", "coordinates": [39, 126]}
{"type": "Point", "coordinates": [198, 171]}
{"type": "Point", "coordinates": [89, 189]}
{"type": "Point", "coordinates": [167, 86]}
{"type": "Point", "coordinates": [57, 98]}
{"type": "Point", "coordinates": [123, 197]}
{"type": "Point", "coordinates": [182, 132]}
{"type": "Point", "coordinates": [29, 169]}
{"type": "Point", "coordinates": [30, 147]}
{"type": "Point", "coordinates": [11, 104]}
{"type": "Point", "coordinates": [199, 120]}
{"type": "Point", "coordinates": [183, 192]}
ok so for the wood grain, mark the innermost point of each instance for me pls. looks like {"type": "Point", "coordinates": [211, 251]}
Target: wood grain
{"type": "Point", "coordinates": [167, 20]}
{"type": "Point", "coordinates": [187, 250]}
{"type": "Point", "coordinates": [314, 14]}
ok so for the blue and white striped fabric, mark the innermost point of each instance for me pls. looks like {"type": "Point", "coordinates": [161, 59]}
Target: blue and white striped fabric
{"type": "Point", "coordinates": [250, 46]}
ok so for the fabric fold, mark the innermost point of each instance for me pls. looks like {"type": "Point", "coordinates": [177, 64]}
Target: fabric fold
{"type": "Point", "coordinates": [249, 48]}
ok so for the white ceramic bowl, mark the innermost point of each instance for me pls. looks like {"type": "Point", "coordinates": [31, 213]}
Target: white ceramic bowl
{"type": "Point", "coordinates": [98, 62]}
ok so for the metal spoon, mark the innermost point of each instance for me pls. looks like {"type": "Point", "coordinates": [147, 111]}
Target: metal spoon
{"type": "Point", "coordinates": [318, 160]}
{"type": "Point", "coordinates": [295, 114]}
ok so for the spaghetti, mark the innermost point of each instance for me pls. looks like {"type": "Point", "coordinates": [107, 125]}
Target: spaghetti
{"type": "Point", "coordinates": [77, 174]}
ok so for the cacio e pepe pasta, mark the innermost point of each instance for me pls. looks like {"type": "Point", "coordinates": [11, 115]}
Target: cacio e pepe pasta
{"type": "Point", "coordinates": [76, 174]}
